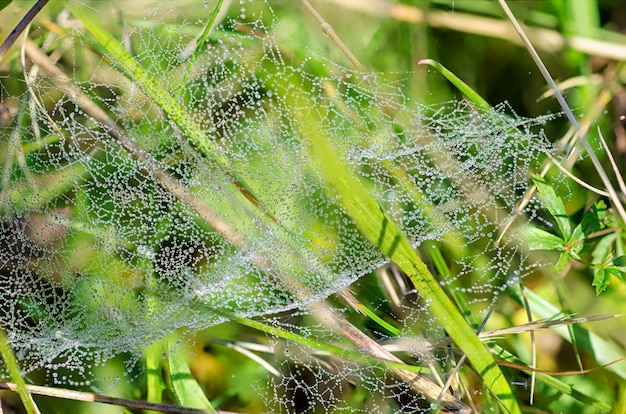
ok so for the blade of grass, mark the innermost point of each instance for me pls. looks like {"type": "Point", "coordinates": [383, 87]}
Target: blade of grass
{"type": "Point", "coordinates": [361, 308]}
{"type": "Point", "coordinates": [470, 93]}
{"type": "Point", "coordinates": [109, 46]}
{"type": "Point", "coordinates": [326, 347]}
{"type": "Point", "coordinates": [555, 383]}
{"type": "Point", "coordinates": [186, 389]}
{"type": "Point", "coordinates": [251, 355]}
{"type": "Point", "coordinates": [618, 174]}
{"type": "Point", "coordinates": [201, 41]}
{"type": "Point", "coordinates": [568, 112]}
{"type": "Point", "coordinates": [11, 364]}
{"type": "Point", "coordinates": [154, 380]}
{"type": "Point", "coordinates": [533, 343]}
{"type": "Point", "coordinates": [605, 351]}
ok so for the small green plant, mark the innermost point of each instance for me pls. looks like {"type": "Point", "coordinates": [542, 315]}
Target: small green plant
{"type": "Point", "coordinates": [595, 235]}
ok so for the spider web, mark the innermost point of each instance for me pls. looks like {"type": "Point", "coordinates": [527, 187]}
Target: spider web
{"type": "Point", "coordinates": [110, 242]}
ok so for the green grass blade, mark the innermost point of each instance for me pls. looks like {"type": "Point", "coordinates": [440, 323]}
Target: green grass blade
{"type": "Point", "coordinates": [324, 347]}
{"type": "Point", "coordinates": [470, 93]}
{"type": "Point", "coordinates": [361, 308]}
{"type": "Point", "coordinates": [186, 389]}
{"type": "Point", "coordinates": [604, 351]}
{"type": "Point", "coordinates": [154, 379]}
{"type": "Point", "coordinates": [555, 383]}
{"type": "Point", "coordinates": [16, 375]}
{"type": "Point", "coordinates": [202, 40]}
{"type": "Point", "coordinates": [110, 46]}
{"type": "Point", "coordinates": [380, 321]}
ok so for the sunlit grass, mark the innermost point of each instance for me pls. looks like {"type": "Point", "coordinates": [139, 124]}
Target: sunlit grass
{"type": "Point", "coordinates": [226, 351]}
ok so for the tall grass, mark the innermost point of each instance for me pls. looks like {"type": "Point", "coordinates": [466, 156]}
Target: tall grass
{"type": "Point", "coordinates": [376, 328]}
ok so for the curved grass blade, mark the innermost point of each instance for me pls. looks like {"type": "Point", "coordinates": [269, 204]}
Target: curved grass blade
{"type": "Point", "coordinates": [109, 46]}
{"type": "Point", "coordinates": [470, 93]}
{"type": "Point", "coordinates": [361, 308]}
{"type": "Point", "coordinates": [236, 189]}
{"type": "Point", "coordinates": [202, 40]}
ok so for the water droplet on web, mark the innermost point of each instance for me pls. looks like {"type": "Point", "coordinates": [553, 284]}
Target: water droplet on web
{"type": "Point", "coordinates": [146, 251]}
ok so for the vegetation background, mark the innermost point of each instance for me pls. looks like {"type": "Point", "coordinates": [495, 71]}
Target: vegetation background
{"type": "Point", "coordinates": [583, 43]}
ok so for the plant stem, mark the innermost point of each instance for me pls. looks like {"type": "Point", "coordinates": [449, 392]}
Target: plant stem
{"type": "Point", "coordinates": [16, 375]}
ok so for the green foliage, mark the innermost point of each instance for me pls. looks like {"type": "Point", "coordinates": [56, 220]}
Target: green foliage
{"type": "Point", "coordinates": [186, 389]}
{"type": "Point", "coordinates": [5, 3]}
{"type": "Point", "coordinates": [250, 199]}
{"type": "Point", "coordinates": [606, 258]}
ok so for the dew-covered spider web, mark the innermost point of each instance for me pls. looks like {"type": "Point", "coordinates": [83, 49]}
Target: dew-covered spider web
{"type": "Point", "coordinates": [123, 219]}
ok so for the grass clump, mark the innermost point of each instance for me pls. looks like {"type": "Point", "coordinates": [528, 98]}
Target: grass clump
{"type": "Point", "coordinates": [262, 208]}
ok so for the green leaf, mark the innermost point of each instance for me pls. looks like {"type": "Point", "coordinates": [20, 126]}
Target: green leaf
{"type": "Point", "coordinates": [186, 389]}
{"type": "Point", "coordinates": [593, 220]}
{"type": "Point", "coordinates": [577, 237]}
{"type": "Point", "coordinates": [616, 272]}
{"type": "Point", "coordinates": [603, 250]}
{"type": "Point", "coordinates": [601, 280]}
{"type": "Point", "coordinates": [554, 205]}
{"type": "Point", "coordinates": [5, 3]}
{"type": "Point", "coordinates": [539, 239]}
{"type": "Point", "coordinates": [562, 262]}
{"type": "Point", "coordinates": [619, 261]}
